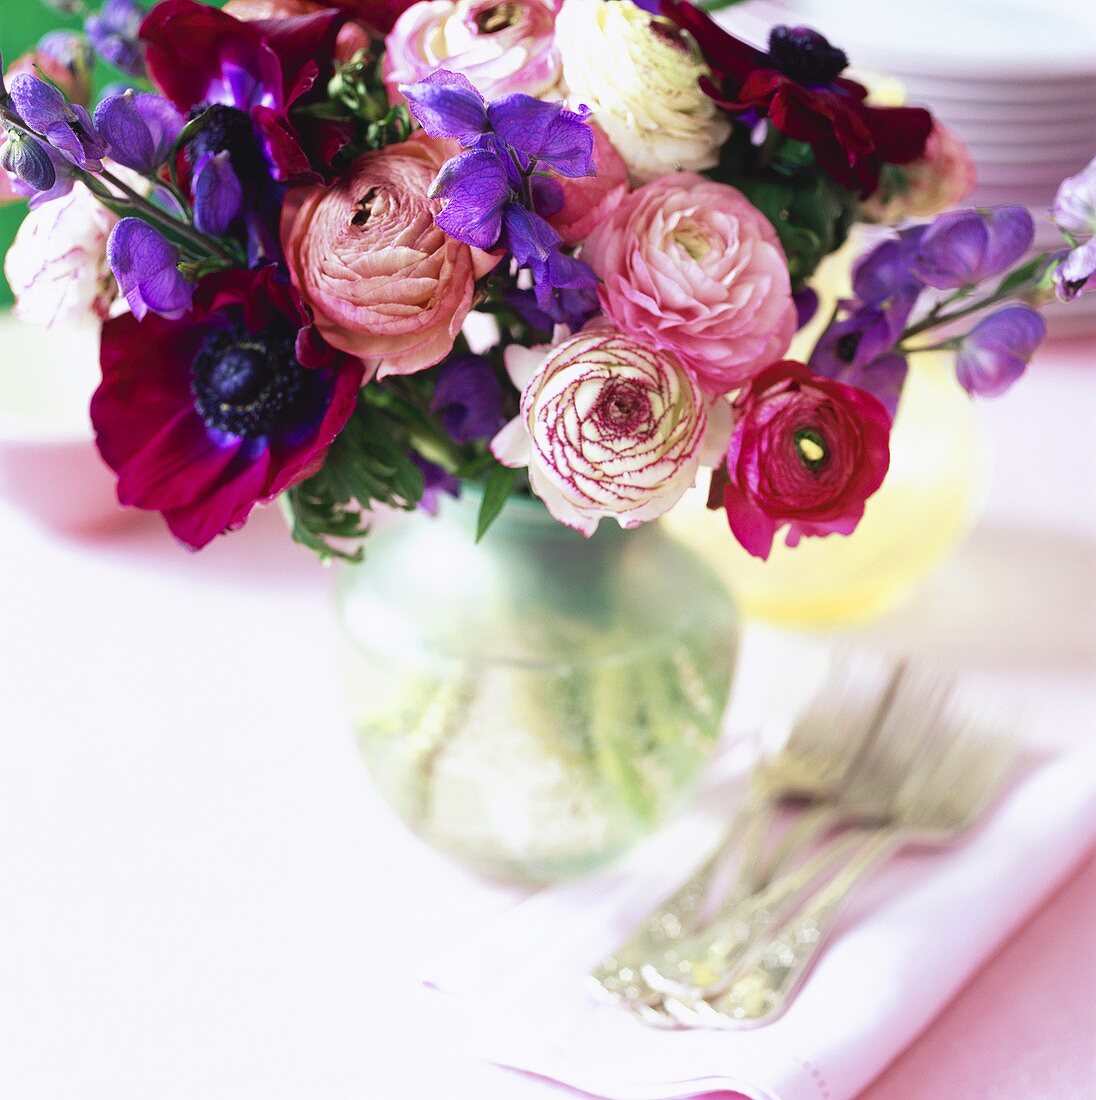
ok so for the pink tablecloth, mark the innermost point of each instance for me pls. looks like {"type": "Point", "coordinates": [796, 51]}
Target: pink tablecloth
{"type": "Point", "coordinates": [203, 897]}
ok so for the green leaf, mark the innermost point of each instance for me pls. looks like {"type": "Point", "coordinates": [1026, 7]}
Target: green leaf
{"type": "Point", "coordinates": [1025, 274]}
{"type": "Point", "coordinates": [500, 482]}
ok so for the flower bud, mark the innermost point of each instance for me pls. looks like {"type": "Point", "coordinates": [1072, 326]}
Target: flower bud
{"type": "Point", "coordinates": [146, 266]}
{"type": "Point", "coordinates": [25, 159]}
{"type": "Point", "coordinates": [966, 246]}
{"type": "Point", "coordinates": [140, 130]}
{"type": "Point", "coordinates": [998, 349]}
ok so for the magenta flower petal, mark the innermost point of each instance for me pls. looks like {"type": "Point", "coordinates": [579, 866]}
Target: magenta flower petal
{"type": "Point", "coordinates": [560, 139]}
{"type": "Point", "coordinates": [996, 352]}
{"type": "Point", "coordinates": [147, 269]}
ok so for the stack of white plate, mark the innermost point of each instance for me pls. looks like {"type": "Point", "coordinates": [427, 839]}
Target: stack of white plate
{"type": "Point", "coordinates": [1016, 79]}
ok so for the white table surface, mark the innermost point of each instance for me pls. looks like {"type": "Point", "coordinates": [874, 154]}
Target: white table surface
{"type": "Point", "coordinates": [201, 896]}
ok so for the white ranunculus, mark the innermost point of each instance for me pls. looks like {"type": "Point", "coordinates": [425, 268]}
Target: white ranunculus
{"type": "Point", "coordinates": [641, 79]}
{"type": "Point", "coordinates": [57, 265]}
{"type": "Point", "coordinates": [608, 428]}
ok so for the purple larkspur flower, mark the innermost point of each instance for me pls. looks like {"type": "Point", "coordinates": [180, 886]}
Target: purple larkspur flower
{"type": "Point", "coordinates": [996, 352]}
{"type": "Point", "coordinates": [436, 480]}
{"type": "Point", "coordinates": [218, 193]}
{"type": "Point", "coordinates": [114, 32]}
{"type": "Point", "coordinates": [146, 266]}
{"type": "Point", "coordinates": [140, 129]}
{"type": "Point", "coordinates": [887, 269]}
{"type": "Point", "coordinates": [859, 350]}
{"type": "Point", "coordinates": [806, 306]}
{"type": "Point", "coordinates": [1076, 271]}
{"type": "Point", "coordinates": [964, 247]}
{"type": "Point", "coordinates": [1074, 208]}
{"type": "Point", "coordinates": [66, 126]}
{"type": "Point", "coordinates": [468, 398]}
{"type": "Point", "coordinates": [492, 198]}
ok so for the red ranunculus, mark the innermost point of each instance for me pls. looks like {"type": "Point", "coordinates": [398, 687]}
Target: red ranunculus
{"type": "Point", "coordinates": [205, 416]}
{"type": "Point", "coordinates": [797, 85]}
{"type": "Point", "coordinates": [806, 452]}
{"type": "Point", "coordinates": [199, 56]}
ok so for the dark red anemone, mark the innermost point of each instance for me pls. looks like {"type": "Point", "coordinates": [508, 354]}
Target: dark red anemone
{"type": "Point", "coordinates": [797, 85]}
{"type": "Point", "coordinates": [203, 417]}
{"type": "Point", "coordinates": [199, 56]}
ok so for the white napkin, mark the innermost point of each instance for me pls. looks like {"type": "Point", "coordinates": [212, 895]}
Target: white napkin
{"type": "Point", "coordinates": [909, 939]}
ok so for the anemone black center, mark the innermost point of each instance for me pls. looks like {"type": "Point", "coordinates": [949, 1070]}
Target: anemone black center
{"type": "Point", "coordinates": [805, 55]}
{"type": "Point", "coordinates": [246, 384]}
{"type": "Point", "coordinates": [227, 129]}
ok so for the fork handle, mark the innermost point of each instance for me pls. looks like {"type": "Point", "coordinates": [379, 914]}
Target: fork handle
{"type": "Point", "coordinates": [767, 988]}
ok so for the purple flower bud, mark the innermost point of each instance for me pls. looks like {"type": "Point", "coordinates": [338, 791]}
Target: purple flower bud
{"type": "Point", "coordinates": [806, 306]}
{"type": "Point", "coordinates": [27, 160]}
{"type": "Point", "coordinates": [468, 398]}
{"type": "Point", "coordinates": [529, 237]}
{"type": "Point", "coordinates": [1074, 207]}
{"type": "Point", "coordinates": [114, 34]}
{"type": "Point", "coordinates": [147, 269]}
{"type": "Point", "coordinates": [998, 349]}
{"type": "Point", "coordinates": [66, 126]}
{"type": "Point", "coordinates": [436, 481]}
{"type": "Point", "coordinates": [1076, 271]}
{"type": "Point", "coordinates": [888, 268]}
{"type": "Point", "coordinates": [963, 247]}
{"type": "Point", "coordinates": [139, 130]}
{"type": "Point", "coordinates": [547, 196]}
{"type": "Point", "coordinates": [218, 195]}
{"type": "Point", "coordinates": [558, 138]}
{"type": "Point", "coordinates": [448, 106]}
{"type": "Point", "coordinates": [476, 188]}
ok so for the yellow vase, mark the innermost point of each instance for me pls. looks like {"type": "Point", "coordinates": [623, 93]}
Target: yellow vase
{"type": "Point", "coordinates": [933, 492]}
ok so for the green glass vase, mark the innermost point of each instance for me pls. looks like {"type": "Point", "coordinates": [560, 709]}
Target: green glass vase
{"type": "Point", "coordinates": [534, 704]}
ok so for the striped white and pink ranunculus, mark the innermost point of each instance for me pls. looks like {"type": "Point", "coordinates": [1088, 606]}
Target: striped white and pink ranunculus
{"type": "Point", "coordinates": [608, 428]}
{"type": "Point", "coordinates": [502, 46]}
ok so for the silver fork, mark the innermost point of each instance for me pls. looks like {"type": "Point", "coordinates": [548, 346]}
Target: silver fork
{"type": "Point", "coordinates": [946, 791]}
{"type": "Point", "coordinates": [704, 965]}
{"type": "Point", "coordinates": [814, 763]}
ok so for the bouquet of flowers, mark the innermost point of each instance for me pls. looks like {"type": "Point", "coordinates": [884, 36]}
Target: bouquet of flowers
{"type": "Point", "coordinates": [351, 253]}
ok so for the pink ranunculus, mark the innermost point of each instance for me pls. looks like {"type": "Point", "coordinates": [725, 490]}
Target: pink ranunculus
{"type": "Point", "coordinates": [608, 427]}
{"type": "Point", "coordinates": [694, 268]}
{"type": "Point", "coordinates": [806, 452]}
{"type": "Point", "coordinates": [589, 200]}
{"type": "Point", "coordinates": [382, 280]}
{"type": "Point", "coordinates": [940, 179]}
{"type": "Point", "coordinates": [502, 46]}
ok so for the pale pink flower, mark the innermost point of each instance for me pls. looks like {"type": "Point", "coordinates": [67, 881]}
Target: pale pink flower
{"type": "Point", "coordinates": [57, 264]}
{"type": "Point", "coordinates": [938, 180]}
{"type": "Point", "coordinates": [608, 427]}
{"type": "Point", "coordinates": [502, 46]}
{"type": "Point", "coordinates": [383, 282]}
{"type": "Point", "coordinates": [694, 268]}
{"type": "Point", "coordinates": [589, 200]}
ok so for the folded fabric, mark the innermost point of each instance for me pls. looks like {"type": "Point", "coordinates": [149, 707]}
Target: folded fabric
{"type": "Point", "coordinates": [909, 939]}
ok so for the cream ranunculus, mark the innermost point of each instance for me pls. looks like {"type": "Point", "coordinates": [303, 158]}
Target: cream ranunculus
{"type": "Point", "coordinates": [608, 428]}
{"type": "Point", "coordinates": [57, 265]}
{"type": "Point", "coordinates": [641, 79]}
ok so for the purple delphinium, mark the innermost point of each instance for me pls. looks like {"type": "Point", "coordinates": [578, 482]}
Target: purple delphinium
{"type": "Point", "coordinates": [998, 349]}
{"type": "Point", "coordinates": [1074, 212]}
{"type": "Point", "coordinates": [146, 266]}
{"type": "Point", "coordinates": [436, 480]}
{"type": "Point", "coordinates": [66, 126]}
{"type": "Point", "coordinates": [495, 193]}
{"type": "Point", "coordinates": [806, 306]}
{"type": "Point", "coordinates": [468, 399]}
{"type": "Point", "coordinates": [140, 130]}
{"type": "Point", "coordinates": [859, 351]}
{"type": "Point", "coordinates": [964, 247]}
{"type": "Point", "coordinates": [114, 35]}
